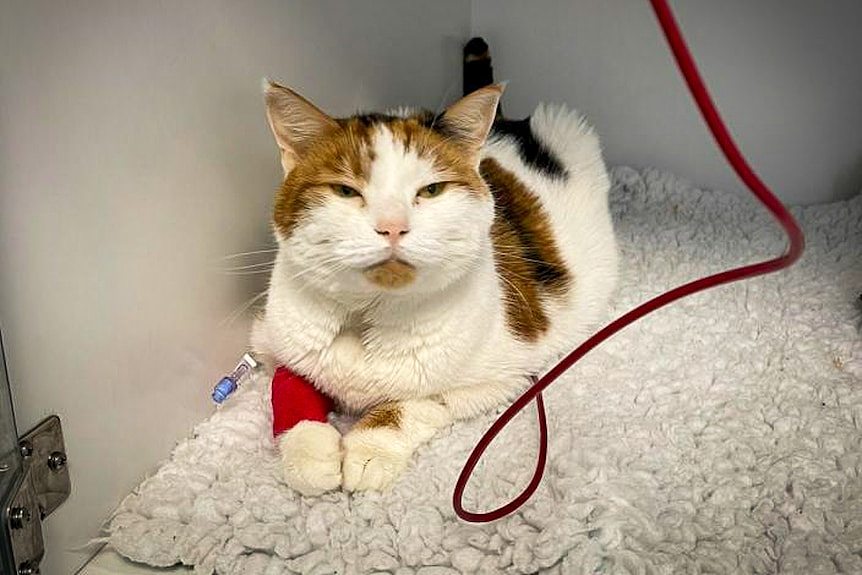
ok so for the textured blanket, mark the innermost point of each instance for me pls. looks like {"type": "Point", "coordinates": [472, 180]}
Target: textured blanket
{"type": "Point", "coordinates": [720, 435]}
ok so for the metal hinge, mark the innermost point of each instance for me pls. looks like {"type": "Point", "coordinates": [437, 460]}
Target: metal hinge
{"type": "Point", "coordinates": [44, 486]}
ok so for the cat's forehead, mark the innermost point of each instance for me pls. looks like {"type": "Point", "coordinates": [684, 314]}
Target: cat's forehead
{"type": "Point", "coordinates": [404, 140]}
{"type": "Point", "coordinates": [397, 162]}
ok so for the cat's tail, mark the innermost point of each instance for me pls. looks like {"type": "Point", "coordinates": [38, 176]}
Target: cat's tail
{"type": "Point", "coordinates": [478, 71]}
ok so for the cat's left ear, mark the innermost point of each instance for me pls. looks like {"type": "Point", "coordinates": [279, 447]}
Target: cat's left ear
{"type": "Point", "coordinates": [295, 122]}
{"type": "Point", "coordinates": [470, 118]}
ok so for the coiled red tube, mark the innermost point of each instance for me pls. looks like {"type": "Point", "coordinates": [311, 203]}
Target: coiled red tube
{"type": "Point", "coordinates": [796, 242]}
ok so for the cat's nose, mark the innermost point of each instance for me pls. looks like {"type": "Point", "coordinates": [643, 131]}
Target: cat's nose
{"type": "Point", "coordinates": [392, 230]}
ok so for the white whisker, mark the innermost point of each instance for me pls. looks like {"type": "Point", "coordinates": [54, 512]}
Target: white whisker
{"type": "Point", "coordinates": [251, 253]}
{"type": "Point", "coordinates": [248, 273]}
{"type": "Point", "coordinates": [442, 103]}
{"type": "Point", "coordinates": [227, 322]}
{"type": "Point", "coordinates": [258, 265]}
{"type": "Point", "coordinates": [519, 292]}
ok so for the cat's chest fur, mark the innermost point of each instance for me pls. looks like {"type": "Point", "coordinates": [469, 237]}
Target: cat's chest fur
{"type": "Point", "coordinates": [389, 350]}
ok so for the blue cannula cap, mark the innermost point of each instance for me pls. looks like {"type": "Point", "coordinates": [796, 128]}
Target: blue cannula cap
{"type": "Point", "coordinates": [223, 389]}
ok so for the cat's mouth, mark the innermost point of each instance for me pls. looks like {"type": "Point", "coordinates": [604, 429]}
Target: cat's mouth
{"type": "Point", "coordinates": [392, 273]}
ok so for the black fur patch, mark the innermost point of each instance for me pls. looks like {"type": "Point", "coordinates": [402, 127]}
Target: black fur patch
{"type": "Point", "coordinates": [532, 151]}
{"type": "Point", "coordinates": [427, 118]}
{"type": "Point", "coordinates": [477, 72]}
{"type": "Point", "coordinates": [370, 119]}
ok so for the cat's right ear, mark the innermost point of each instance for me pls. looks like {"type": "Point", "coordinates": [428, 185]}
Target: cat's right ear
{"type": "Point", "coordinates": [469, 119]}
{"type": "Point", "coordinates": [295, 122]}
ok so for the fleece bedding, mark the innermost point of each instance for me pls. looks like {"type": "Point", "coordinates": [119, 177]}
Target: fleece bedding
{"type": "Point", "coordinates": [720, 435]}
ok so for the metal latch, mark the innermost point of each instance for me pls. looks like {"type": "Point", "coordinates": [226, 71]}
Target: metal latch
{"type": "Point", "coordinates": [44, 486]}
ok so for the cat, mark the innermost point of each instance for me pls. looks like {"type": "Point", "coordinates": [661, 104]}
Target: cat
{"type": "Point", "coordinates": [427, 265]}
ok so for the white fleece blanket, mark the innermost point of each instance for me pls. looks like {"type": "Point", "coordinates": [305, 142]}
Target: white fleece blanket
{"type": "Point", "coordinates": [720, 435]}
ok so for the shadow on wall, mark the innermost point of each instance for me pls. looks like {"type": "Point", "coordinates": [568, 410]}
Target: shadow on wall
{"type": "Point", "coordinates": [859, 314]}
{"type": "Point", "coordinates": [848, 182]}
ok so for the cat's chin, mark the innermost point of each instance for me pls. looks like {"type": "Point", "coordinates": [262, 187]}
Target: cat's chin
{"type": "Point", "coordinates": [391, 274]}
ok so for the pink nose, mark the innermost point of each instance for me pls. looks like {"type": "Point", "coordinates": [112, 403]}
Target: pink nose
{"type": "Point", "coordinates": [392, 230]}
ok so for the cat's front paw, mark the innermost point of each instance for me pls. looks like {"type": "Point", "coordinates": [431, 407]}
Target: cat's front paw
{"type": "Point", "coordinates": [311, 457]}
{"type": "Point", "coordinates": [374, 458]}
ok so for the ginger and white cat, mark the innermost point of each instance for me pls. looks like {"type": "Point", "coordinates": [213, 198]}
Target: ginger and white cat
{"type": "Point", "coordinates": [427, 266]}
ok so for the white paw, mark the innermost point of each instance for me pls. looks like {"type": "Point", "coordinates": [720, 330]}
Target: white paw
{"type": "Point", "coordinates": [311, 457]}
{"type": "Point", "coordinates": [373, 458]}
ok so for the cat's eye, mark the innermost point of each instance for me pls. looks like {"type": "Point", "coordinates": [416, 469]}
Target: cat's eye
{"type": "Point", "coordinates": [431, 190]}
{"type": "Point", "coordinates": [346, 191]}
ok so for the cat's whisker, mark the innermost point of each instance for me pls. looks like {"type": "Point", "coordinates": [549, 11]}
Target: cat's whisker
{"type": "Point", "coordinates": [248, 273]}
{"type": "Point", "coordinates": [267, 264]}
{"type": "Point", "coordinates": [251, 253]}
{"type": "Point", "coordinates": [326, 273]}
{"type": "Point", "coordinates": [227, 322]}
{"type": "Point", "coordinates": [320, 265]}
{"type": "Point", "coordinates": [520, 293]}
{"type": "Point", "coordinates": [442, 103]}
{"type": "Point", "coordinates": [516, 256]}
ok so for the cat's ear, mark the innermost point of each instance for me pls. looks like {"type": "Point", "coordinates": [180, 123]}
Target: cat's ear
{"type": "Point", "coordinates": [470, 118]}
{"type": "Point", "coordinates": [295, 122]}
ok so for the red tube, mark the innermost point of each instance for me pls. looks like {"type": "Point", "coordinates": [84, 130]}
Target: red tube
{"type": "Point", "coordinates": [796, 242]}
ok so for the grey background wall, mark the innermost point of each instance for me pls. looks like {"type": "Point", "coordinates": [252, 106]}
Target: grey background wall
{"type": "Point", "coordinates": [134, 155]}
{"type": "Point", "coordinates": [786, 74]}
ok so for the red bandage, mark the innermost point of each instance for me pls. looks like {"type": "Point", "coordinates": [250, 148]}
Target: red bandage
{"type": "Point", "coordinates": [295, 399]}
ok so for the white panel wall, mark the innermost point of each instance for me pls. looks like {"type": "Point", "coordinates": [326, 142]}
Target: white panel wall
{"type": "Point", "coordinates": [786, 74]}
{"type": "Point", "coordinates": [134, 154]}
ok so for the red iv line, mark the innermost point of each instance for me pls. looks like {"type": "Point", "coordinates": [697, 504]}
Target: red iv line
{"type": "Point", "coordinates": [734, 157]}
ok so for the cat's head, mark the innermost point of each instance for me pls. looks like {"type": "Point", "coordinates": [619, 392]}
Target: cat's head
{"type": "Point", "coordinates": [375, 204]}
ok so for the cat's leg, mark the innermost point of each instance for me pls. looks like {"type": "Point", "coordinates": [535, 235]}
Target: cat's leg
{"type": "Point", "coordinates": [379, 447]}
{"type": "Point", "coordinates": [311, 457]}
{"type": "Point", "coordinates": [471, 400]}
{"type": "Point", "coordinates": [311, 450]}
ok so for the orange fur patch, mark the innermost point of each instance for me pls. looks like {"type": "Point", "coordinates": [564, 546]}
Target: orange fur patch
{"type": "Point", "coordinates": [525, 253]}
{"type": "Point", "coordinates": [384, 415]}
{"type": "Point", "coordinates": [391, 274]}
{"type": "Point", "coordinates": [342, 156]}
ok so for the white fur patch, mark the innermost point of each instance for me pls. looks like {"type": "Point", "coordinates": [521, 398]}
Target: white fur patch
{"type": "Point", "coordinates": [311, 457]}
{"type": "Point", "coordinates": [373, 458]}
